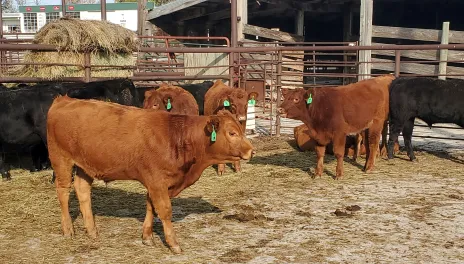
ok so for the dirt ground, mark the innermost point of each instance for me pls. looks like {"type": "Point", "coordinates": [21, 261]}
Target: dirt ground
{"type": "Point", "coordinates": [273, 212]}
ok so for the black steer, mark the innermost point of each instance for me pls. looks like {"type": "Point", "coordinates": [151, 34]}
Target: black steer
{"type": "Point", "coordinates": [429, 99]}
{"type": "Point", "coordinates": [23, 112]}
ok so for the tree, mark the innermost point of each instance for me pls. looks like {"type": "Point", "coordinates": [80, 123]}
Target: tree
{"type": "Point", "coordinates": [8, 6]}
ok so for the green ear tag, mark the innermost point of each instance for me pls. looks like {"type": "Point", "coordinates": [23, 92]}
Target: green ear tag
{"type": "Point", "coordinates": [309, 100]}
{"type": "Point", "coordinates": [226, 103]}
{"type": "Point", "coordinates": [213, 135]}
{"type": "Point", "coordinates": [252, 101]}
{"type": "Point", "coordinates": [169, 106]}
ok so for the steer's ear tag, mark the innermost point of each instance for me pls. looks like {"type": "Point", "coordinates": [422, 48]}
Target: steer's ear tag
{"type": "Point", "coordinates": [213, 135]}
{"type": "Point", "coordinates": [226, 103]}
{"type": "Point", "coordinates": [309, 100]}
{"type": "Point", "coordinates": [169, 106]}
{"type": "Point", "coordinates": [252, 101]}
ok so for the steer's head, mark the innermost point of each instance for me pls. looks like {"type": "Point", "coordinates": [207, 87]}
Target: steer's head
{"type": "Point", "coordinates": [235, 100]}
{"type": "Point", "coordinates": [154, 100]}
{"type": "Point", "coordinates": [227, 141]}
{"type": "Point", "coordinates": [296, 102]}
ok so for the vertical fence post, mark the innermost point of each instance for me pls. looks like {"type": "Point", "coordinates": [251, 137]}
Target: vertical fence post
{"type": "Point", "coordinates": [365, 38]}
{"type": "Point", "coordinates": [1, 36]}
{"type": "Point", "coordinates": [278, 86]}
{"type": "Point", "coordinates": [103, 9]}
{"type": "Point", "coordinates": [443, 52]}
{"type": "Point", "coordinates": [233, 38]}
{"type": "Point", "coordinates": [63, 8]}
{"type": "Point", "coordinates": [397, 63]}
{"type": "Point", "coordinates": [87, 76]}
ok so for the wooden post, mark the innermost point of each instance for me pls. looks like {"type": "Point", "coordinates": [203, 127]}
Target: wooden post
{"type": "Point", "coordinates": [299, 23]}
{"type": "Point", "coordinates": [87, 75]}
{"type": "Point", "coordinates": [397, 63]}
{"type": "Point", "coordinates": [443, 52]}
{"type": "Point", "coordinates": [63, 8]}
{"type": "Point", "coordinates": [279, 90]}
{"type": "Point", "coordinates": [242, 17]}
{"type": "Point", "coordinates": [141, 16]}
{"type": "Point", "coordinates": [103, 9]}
{"type": "Point", "coordinates": [365, 38]}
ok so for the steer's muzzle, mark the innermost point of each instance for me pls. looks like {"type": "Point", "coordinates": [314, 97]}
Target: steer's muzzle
{"type": "Point", "coordinates": [242, 118]}
{"type": "Point", "coordinates": [282, 112]}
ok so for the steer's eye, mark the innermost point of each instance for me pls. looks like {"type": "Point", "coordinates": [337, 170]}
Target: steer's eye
{"type": "Point", "coordinates": [296, 100]}
{"type": "Point", "coordinates": [232, 134]}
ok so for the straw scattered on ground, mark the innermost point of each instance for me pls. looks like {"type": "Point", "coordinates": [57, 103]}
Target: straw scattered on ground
{"type": "Point", "coordinates": [272, 212]}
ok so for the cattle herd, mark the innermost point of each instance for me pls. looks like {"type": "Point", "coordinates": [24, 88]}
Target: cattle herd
{"type": "Point", "coordinates": [166, 136]}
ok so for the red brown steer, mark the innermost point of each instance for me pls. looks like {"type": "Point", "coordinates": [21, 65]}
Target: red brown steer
{"type": "Point", "coordinates": [235, 100]}
{"type": "Point", "coordinates": [173, 99]}
{"type": "Point", "coordinates": [165, 152]}
{"type": "Point", "coordinates": [332, 113]}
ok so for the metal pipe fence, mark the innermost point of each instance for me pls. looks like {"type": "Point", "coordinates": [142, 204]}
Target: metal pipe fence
{"type": "Point", "coordinates": [275, 65]}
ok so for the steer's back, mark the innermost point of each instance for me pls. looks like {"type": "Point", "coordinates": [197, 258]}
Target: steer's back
{"type": "Point", "coordinates": [430, 99]}
{"type": "Point", "coordinates": [355, 105]}
{"type": "Point", "coordinates": [104, 138]}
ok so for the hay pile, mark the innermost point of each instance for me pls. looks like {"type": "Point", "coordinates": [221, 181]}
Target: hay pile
{"type": "Point", "coordinates": [108, 43]}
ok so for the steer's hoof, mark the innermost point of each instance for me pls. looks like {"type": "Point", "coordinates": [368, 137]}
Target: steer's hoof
{"type": "Point", "coordinates": [148, 242]}
{"type": "Point", "coordinates": [314, 174]}
{"type": "Point", "coordinates": [414, 160]}
{"type": "Point", "coordinates": [69, 234]}
{"type": "Point", "coordinates": [93, 234]}
{"type": "Point", "coordinates": [176, 249]}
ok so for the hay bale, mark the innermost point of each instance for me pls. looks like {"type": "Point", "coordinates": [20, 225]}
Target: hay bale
{"type": "Point", "coordinates": [89, 35]}
{"type": "Point", "coordinates": [56, 72]}
{"type": "Point", "coordinates": [109, 44]}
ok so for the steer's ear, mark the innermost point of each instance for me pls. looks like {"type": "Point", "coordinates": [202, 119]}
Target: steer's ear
{"type": "Point", "coordinates": [284, 91]}
{"type": "Point", "coordinates": [212, 126]}
{"type": "Point", "coordinates": [167, 101]}
{"type": "Point", "coordinates": [148, 93]}
{"type": "Point", "coordinates": [309, 95]}
{"type": "Point", "coordinates": [224, 102]}
{"type": "Point", "coordinates": [252, 97]}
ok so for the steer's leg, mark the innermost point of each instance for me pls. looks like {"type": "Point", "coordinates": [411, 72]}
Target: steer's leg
{"type": "Point", "coordinates": [395, 128]}
{"type": "Point", "coordinates": [4, 169]}
{"type": "Point", "coordinates": [383, 146]}
{"type": "Point", "coordinates": [237, 166]}
{"type": "Point", "coordinates": [373, 136]}
{"type": "Point", "coordinates": [320, 152]}
{"type": "Point", "coordinates": [147, 230]}
{"type": "Point", "coordinates": [357, 147]}
{"type": "Point", "coordinates": [160, 198]}
{"type": "Point", "coordinates": [63, 170]}
{"type": "Point", "coordinates": [82, 186]}
{"type": "Point", "coordinates": [221, 169]}
{"type": "Point", "coordinates": [407, 136]}
{"type": "Point", "coordinates": [339, 147]}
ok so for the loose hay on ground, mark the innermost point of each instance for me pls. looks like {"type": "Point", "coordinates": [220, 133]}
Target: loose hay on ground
{"type": "Point", "coordinates": [271, 213]}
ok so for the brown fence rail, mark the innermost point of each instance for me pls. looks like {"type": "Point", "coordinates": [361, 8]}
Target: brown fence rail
{"type": "Point", "coordinates": [270, 66]}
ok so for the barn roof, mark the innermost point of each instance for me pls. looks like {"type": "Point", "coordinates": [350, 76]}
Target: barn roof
{"type": "Point", "coordinates": [172, 7]}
